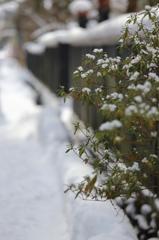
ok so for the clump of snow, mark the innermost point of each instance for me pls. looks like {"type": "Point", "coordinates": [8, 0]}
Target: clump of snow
{"type": "Point", "coordinates": [144, 160]}
{"type": "Point", "coordinates": [134, 76]}
{"type": "Point", "coordinates": [146, 209]}
{"type": "Point", "coordinates": [118, 139]}
{"type": "Point", "coordinates": [152, 111]}
{"type": "Point", "coordinates": [136, 59]}
{"type": "Point", "coordinates": [53, 38]}
{"type": "Point", "coordinates": [142, 222]}
{"type": "Point", "coordinates": [157, 203]}
{"type": "Point", "coordinates": [80, 68]}
{"type": "Point", "coordinates": [48, 4]}
{"type": "Point", "coordinates": [77, 6]}
{"type": "Point", "coordinates": [154, 76]}
{"type": "Point", "coordinates": [118, 7]}
{"type": "Point", "coordinates": [135, 167]}
{"type": "Point", "coordinates": [131, 110]}
{"type": "Point", "coordinates": [148, 193]}
{"type": "Point", "coordinates": [72, 25]}
{"type": "Point", "coordinates": [138, 99]}
{"type": "Point", "coordinates": [145, 88]}
{"type": "Point", "coordinates": [47, 28]}
{"type": "Point", "coordinates": [110, 107]}
{"type": "Point", "coordinates": [86, 90]}
{"type": "Point", "coordinates": [34, 48]}
{"type": "Point", "coordinates": [147, 7]}
{"type": "Point", "coordinates": [9, 7]}
{"type": "Point", "coordinates": [84, 75]}
{"type": "Point", "coordinates": [131, 210]}
{"type": "Point", "coordinates": [151, 49]}
{"type": "Point", "coordinates": [107, 126]}
{"type": "Point", "coordinates": [90, 56]}
{"type": "Point", "coordinates": [153, 221]}
{"type": "Point", "coordinates": [99, 74]}
{"type": "Point", "coordinates": [153, 134]}
{"type": "Point", "coordinates": [96, 50]}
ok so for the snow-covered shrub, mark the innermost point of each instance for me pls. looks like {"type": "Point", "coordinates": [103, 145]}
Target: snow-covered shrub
{"type": "Point", "coordinates": [125, 147]}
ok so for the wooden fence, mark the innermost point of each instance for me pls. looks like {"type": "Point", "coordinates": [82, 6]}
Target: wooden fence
{"type": "Point", "coordinates": [55, 67]}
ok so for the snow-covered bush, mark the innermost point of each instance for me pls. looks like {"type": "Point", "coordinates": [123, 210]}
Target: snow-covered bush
{"type": "Point", "coordinates": [125, 147]}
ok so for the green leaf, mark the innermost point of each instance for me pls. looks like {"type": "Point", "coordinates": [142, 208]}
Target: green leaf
{"type": "Point", "coordinates": [68, 150]}
{"type": "Point", "coordinates": [66, 190]}
{"type": "Point", "coordinates": [77, 194]}
{"type": "Point", "coordinates": [81, 151]}
{"type": "Point", "coordinates": [128, 195]}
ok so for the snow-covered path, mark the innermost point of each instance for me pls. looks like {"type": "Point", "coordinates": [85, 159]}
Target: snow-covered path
{"type": "Point", "coordinates": [31, 205]}
{"type": "Point", "coordinates": [34, 170]}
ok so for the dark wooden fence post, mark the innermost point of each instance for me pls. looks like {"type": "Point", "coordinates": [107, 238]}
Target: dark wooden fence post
{"type": "Point", "coordinates": [63, 66]}
{"type": "Point", "coordinates": [35, 64]}
{"type": "Point", "coordinates": [51, 68]}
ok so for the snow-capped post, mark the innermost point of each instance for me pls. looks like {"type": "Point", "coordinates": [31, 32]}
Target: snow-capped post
{"type": "Point", "coordinates": [104, 9]}
{"type": "Point", "coordinates": [118, 7]}
{"type": "Point", "coordinates": [80, 9]}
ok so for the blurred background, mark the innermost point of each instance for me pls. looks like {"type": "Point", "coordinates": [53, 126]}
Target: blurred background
{"type": "Point", "coordinates": [50, 38]}
{"type": "Point", "coordinates": [25, 20]}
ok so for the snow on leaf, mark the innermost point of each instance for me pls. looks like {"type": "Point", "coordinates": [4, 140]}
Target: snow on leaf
{"type": "Point", "coordinates": [145, 88]}
{"type": "Point", "coordinates": [136, 60]}
{"type": "Point", "coordinates": [108, 126]}
{"type": "Point", "coordinates": [104, 65]}
{"type": "Point", "coordinates": [154, 76]}
{"type": "Point", "coordinates": [134, 76]}
{"type": "Point", "coordinates": [138, 99]}
{"type": "Point", "coordinates": [110, 107]}
{"type": "Point", "coordinates": [90, 56]}
{"type": "Point", "coordinates": [135, 167]}
{"type": "Point", "coordinates": [84, 75]}
{"type": "Point", "coordinates": [144, 160]}
{"type": "Point", "coordinates": [99, 74]}
{"type": "Point", "coordinates": [86, 90]}
{"type": "Point", "coordinates": [100, 61]}
{"type": "Point", "coordinates": [80, 68]}
{"type": "Point", "coordinates": [152, 111]}
{"type": "Point", "coordinates": [131, 110]}
{"type": "Point", "coordinates": [147, 7]}
{"type": "Point", "coordinates": [97, 90]}
{"type": "Point", "coordinates": [151, 49]}
{"type": "Point", "coordinates": [153, 134]}
{"type": "Point", "coordinates": [96, 50]}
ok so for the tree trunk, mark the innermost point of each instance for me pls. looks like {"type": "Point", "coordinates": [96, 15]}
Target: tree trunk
{"type": "Point", "coordinates": [153, 2]}
{"type": "Point", "coordinates": [104, 9]}
{"type": "Point", "coordinates": [132, 6]}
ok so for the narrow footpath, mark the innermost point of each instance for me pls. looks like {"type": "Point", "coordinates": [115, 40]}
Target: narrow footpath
{"type": "Point", "coordinates": [31, 200]}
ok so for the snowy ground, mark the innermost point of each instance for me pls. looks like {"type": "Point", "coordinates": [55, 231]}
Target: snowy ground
{"type": "Point", "coordinates": [34, 169]}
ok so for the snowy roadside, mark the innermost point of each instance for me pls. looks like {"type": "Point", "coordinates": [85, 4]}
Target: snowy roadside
{"type": "Point", "coordinates": [34, 169]}
{"type": "Point", "coordinates": [89, 220]}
